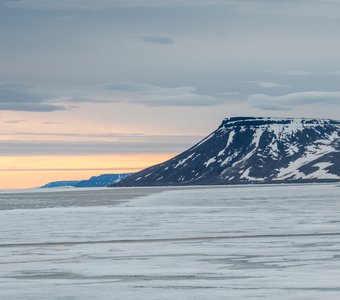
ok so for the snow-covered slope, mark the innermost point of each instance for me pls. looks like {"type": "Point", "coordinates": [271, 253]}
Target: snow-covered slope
{"type": "Point", "coordinates": [254, 150]}
{"type": "Point", "coordinates": [102, 180]}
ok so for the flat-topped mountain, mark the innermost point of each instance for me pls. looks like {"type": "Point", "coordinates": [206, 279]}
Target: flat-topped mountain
{"type": "Point", "coordinates": [253, 150]}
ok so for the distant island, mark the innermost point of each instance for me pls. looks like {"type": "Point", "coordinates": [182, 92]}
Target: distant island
{"type": "Point", "coordinates": [103, 180]}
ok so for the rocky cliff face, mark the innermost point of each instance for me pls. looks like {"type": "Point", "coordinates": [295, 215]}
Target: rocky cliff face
{"type": "Point", "coordinates": [253, 150]}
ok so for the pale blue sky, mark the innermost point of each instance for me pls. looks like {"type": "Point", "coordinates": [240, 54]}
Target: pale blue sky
{"type": "Point", "coordinates": [164, 67]}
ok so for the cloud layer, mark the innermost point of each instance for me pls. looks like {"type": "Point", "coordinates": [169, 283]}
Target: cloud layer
{"type": "Point", "coordinates": [101, 4]}
{"type": "Point", "coordinates": [152, 95]}
{"type": "Point", "coordinates": [268, 84]}
{"type": "Point", "coordinates": [158, 40]}
{"type": "Point", "coordinates": [44, 143]}
{"type": "Point", "coordinates": [304, 7]}
{"type": "Point", "coordinates": [23, 98]}
{"type": "Point", "coordinates": [289, 101]}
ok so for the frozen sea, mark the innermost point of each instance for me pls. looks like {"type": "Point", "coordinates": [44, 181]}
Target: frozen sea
{"type": "Point", "coordinates": [240, 242]}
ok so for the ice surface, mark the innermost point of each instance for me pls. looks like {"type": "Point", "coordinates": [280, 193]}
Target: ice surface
{"type": "Point", "coordinates": [243, 242]}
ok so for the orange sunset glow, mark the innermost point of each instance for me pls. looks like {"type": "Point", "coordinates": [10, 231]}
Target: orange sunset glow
{"type": "Point", "coordinates": [33, 171]}
{"type": "Point", "coordinates": [76, 144]}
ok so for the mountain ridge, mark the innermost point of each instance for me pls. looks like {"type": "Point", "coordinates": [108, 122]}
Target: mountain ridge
{"type": "Point", "coordinates": [103, 180]}
{"type": "Point", "coordinates": [254, 150]}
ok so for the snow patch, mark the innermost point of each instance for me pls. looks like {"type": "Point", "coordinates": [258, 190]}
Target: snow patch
{"type": "Point", "coordinates": [210, 161]}
{"type": "Point", "coordinates": [312, 153]}
{"type": "Point", "coordinates": [182, 162]}
{"type": "Point", "coordinates": [322, 172]}
{"type": "Point", "coordinates": [230, 140]}
{"type": "Point", "coordinates": [245, 175]}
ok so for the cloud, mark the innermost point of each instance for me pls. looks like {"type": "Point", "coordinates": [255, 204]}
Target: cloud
{"type": "Point", "coordinates": [65, 18]}
{"type": "Point", "coordinates": [15, 121]}
{"type": "Point", "coordinates": [316, 8]}
{"type": "Point", "coordinates": [309, 73]}
{"type": "Point", "coordinates": [288, 101]}
{"type": "Point", "coordinates": [157, 40]}
{"type": "Point", "coordinates": [272, 107]}
{"type": "Point", "coordinates": [31, 107]}
{"type": "Point", "coordinates": [104, 4]}
{"type": "Point", "coordinates": [56, 147]}
{"type": "Point", "coordinates": [229, 93]}
{"type": "Point", "coordinates": [61, 143]}
{"type": "Point", "coordinates": [69, 148]}
{"type": "Point", "coordinates": [152, 95]}
{"type": "Point", "coordinates": [23, 98]}
{"type": "Point", "coordinates": [52, 122]}
{"type": "Point", "coordinates": [268, 84]}
{"type": "Point", "coordinates": [102, 137]}
{"type": "Point", "coordinates": [306, 8]}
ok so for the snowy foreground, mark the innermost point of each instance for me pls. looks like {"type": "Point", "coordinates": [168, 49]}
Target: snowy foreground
{"type": "Point", "coordinates": [267, 242]}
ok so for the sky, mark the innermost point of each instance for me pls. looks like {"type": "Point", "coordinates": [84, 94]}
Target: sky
{"type": "Point", "coordinates": [111, 86]}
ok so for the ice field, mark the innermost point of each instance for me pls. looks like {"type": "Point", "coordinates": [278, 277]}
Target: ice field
{"type": "Point", "coordinates": [239, 242]}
